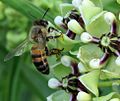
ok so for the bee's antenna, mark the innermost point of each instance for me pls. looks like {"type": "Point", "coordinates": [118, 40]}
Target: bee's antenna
{"type": "Point", "coordinates": [45, 13]}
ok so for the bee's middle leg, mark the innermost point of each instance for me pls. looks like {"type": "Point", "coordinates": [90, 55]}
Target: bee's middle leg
{"type": "Point", "coordinates": [54, 51]}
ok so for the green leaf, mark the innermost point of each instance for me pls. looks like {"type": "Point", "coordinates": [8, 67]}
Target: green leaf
{"type": "Point", "coordinates": [36, 82]}
{"type": "Point", "coordinates": [111, 5]}
{"type": "Point", "coordinates": [10, 84]}
{"type": "Point", "coordinates": [27, 8]}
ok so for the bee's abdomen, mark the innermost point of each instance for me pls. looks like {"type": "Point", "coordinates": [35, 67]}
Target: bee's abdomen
{"type": "Point", "coordinates": [40, 61]}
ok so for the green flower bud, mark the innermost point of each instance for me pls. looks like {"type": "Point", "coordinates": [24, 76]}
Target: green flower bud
{"type": "Point", "coordinates": [53, 83]}
{"type": "Point", "coordinates": [115, 99]}
{"type": "Point", "coordinates": [109, 17]}
{"type": "Point", "coordinates": [83, 96]}
{"type": "Point", "coordinates": [86, 37]}
{"type": "Point", "coordinates": [117, 61]}
{"type": "Point", "coordinates": [95, 63]}
{"type": "Point", "coordinates": [75, 27]}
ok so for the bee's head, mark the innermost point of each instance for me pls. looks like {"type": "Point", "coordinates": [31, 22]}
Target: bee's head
{"type": "Point", "coordinates": [41, 22]}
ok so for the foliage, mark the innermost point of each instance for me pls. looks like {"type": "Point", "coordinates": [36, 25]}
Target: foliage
{"type": "Point", "coordinates": [20, 81]}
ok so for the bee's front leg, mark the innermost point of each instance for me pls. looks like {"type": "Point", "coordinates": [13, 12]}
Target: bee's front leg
{"type": "Point", "coordinates": [53, 30]}
{"type": "Point", "coordinates": [52, 37]}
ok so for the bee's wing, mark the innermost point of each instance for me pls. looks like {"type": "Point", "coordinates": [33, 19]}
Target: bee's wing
{"type": "Point", "coordinates": [19, 50]}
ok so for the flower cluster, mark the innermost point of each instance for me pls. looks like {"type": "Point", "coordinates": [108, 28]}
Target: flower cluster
{"type": "Point", "coordinates": [71, 82]}
{"type": "Point", "coordinates": [94, 56]}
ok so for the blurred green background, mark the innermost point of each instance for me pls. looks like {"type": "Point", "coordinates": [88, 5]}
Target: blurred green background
{"type": "Point", "coordinates": [19, 80]}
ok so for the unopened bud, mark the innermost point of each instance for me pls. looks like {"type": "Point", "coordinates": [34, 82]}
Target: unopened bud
{"type": "Point", "coordinates": [83, 96]}
{"type": "Point", "coordinates": [95, 63]}
{"type": "Point", "coordinates": [58, 20]}
{"type": "Point", "coordinates": [66, 61]}
{"type": "Point", "coordinates": [86, 37]}
{"type": "Point", "coordinates": [75, 27]}
{"type": "Point", "coordinates": [117, 61]}
{"type": "Point", "coordinates": [109, 17]}
{"type": "Point", "coordinates": [53, 83]}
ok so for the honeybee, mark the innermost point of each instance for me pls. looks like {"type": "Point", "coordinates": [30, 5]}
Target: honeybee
{"type": "Point", "coordinates": [38, 37]}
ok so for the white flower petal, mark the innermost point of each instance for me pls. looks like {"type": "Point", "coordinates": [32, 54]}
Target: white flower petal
{"type": "Point", "coordinates": [109, 17]}
{"type": "Point", "coordinates": [83, 96]}
{"type": "Point", "coordinates": [58, 20]}
{"type": "Point", "coordinates": [66, 61]}
{"type": "Point", "coordinates": [53, 83]}
{"type": "Point", "coordinates": [86, 37]}
{"type": "Point", "coordinates": [95, 63]}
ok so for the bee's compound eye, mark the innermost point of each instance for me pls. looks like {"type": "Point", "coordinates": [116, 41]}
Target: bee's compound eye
{"type": "Point", "coordinates": [44, 23]}
{"type": "Point", "coordinates": [41, 23]}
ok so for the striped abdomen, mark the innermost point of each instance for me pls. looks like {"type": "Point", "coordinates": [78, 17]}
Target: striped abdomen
{"type": "Point", "coordinates": [40, 60]}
